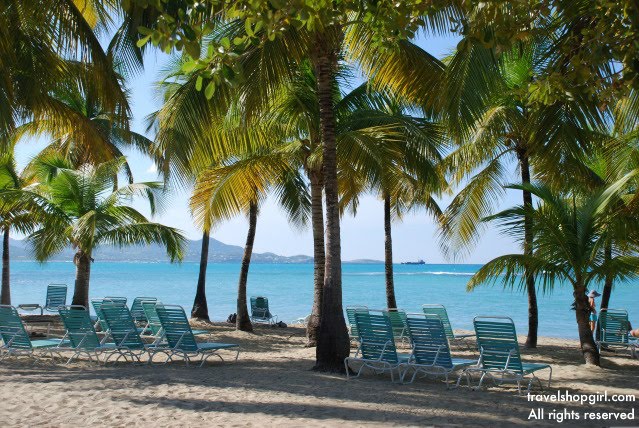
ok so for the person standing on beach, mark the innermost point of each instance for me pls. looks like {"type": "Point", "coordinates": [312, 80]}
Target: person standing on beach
{"type": "Point", "coordinates": [593, 308]}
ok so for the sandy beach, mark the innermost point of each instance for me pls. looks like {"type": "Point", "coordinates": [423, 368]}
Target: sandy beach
{"type": "Point", "coordinates": [272, 384]}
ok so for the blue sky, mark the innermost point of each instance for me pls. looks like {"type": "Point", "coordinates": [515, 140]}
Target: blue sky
{"type": "Point", "coordinates": [362, 237]}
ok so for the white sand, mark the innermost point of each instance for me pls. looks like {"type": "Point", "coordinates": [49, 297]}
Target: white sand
{"type": "Point", "coordinates": [272, 385]}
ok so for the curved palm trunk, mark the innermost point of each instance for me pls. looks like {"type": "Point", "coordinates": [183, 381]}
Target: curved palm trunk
{"type": "Point", "coordinates": [243, 321]}
{"type": "Point", "coordinates": [586, 339]}
{"type": "Point", "coordinates": [200, 307]}
{"type": "Point", "coordinates": [391, 303]}
{"type": "Point", "coordinates": [317, 220]}
{"type": "Point", "coordinates": [5, 294]}
{"type": "Point", "coordinates": [82, 277]}
{"type": "Point", "coordinates": [607, 289]}
{"type": "Point", "coordinates": [533, 312]}
{"type": "Point", "coordinates": [332, 340]}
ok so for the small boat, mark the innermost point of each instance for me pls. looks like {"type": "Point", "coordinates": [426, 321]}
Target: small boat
{"type": "Point", "coordinates": [418, 262]}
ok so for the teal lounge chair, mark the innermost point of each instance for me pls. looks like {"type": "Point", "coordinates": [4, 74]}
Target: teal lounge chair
{"type": "Point", "coordinates": [376, 347]}
{"type": "Point", "coordinates": [499, 356]}
{"type": "Point", "coordinates": [124, 332]}
{"type": "Point", "coordinates": [260, 312]}
{"type": "Point", "coordinates": [97, 307]}
{"type": "Point", "coordinates": [153, 326]}
{"type": "Point", "coordinates": [181, 340]}
{"type": "Point", "coordinates": [15, 339]}
{"type": "Point", "coordinates": [430, 350]}
{"type": "Point", "coordinates": [442, 313]}
{"type": "Point", "coordinates": [353, 333]}
{"type": "Point", "coordinates": [81, 335]}
{"type": "Point", "coordinates": [56, 297]}
{"type": "Point", "coordinates": [137, 312]}
{"type": "Point", "coordinates": [398, 321]}
{"type": "Point", "coordinates": [614, 331]}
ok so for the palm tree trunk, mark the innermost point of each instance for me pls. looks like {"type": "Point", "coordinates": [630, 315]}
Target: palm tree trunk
{"type": "Point", "coordinates": [5, 295]}
{"type": "Point", "coordinates": [200, 307]}
{"type": "Point", "coordinates": [332, 341]}
{"type": "Point", "coordinates": [533, 312]}
{"type": "Point", "coordinates": [391, 303]}
{"type": "Point", "coordinates": [243, 321]}
{"type": "Point", "coordinates": [608, 282]}
{"type": "Point", "coordinates": [587, 341]}
{"type": "Point", "coordinates": [82, 277]}
{"type": "Point", "coordinates": [317, 220]}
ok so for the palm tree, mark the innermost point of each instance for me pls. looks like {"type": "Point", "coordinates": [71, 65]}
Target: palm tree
{"type": "Point", "coordinates": [237, 185]}
{"type": "Point", "coordinates": [22, 215]}
{"type": "Point", "coordinates": [85, 212]}
{"type": "Point", "coordinates": [264, 56]}
{"type": "Point", "coordinates": [570, 237]}
{"type": "Point", "coordinates": [504, 131]}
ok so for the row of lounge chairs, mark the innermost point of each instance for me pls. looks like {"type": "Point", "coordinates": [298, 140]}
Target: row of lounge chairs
{"type": "Point", "coordinates": [499, 355]}
{"type": "Point", "coordinates": [166, 325]}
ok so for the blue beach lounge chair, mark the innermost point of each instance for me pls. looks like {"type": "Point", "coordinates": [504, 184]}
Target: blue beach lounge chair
{"type": "Point", "coordinates": [81, 335]}
{"type": "Point", "coordinates": [614, 331]}
{"type": "Point", "coordinates": [430, 350]}
{"type": "Point", "coordinates": [353, 333]}
{"type": "Point", "coordinates": [260, 312]}
{"type": "Point", "coordinates": [124, 333]}
{"type": "Point", "coordinates": [56, 297]}
{"type": "Point", "coordinates": [442, 313]}
{"type": "Point", "coordinates": [499, 356]}
{"type": "Point", "coordinates": [376, 347]}
{"type": "Point", "coordinates": [181, 340]}
{"type": "Point", "coordinates": [153, 326]}
{"type": "Point", "coordinates": [137, 312]}
{"type": "Point", "coordinates": [15, 339]}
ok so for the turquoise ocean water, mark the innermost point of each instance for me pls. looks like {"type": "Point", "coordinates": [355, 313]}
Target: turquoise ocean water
{"type": "Point", "coordinates": [289, 288]}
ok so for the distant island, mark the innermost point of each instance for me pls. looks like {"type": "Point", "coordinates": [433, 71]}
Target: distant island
{"type": "Point", "coordinates": [219, 252]}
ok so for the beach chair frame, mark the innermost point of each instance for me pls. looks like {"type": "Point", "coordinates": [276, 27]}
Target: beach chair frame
{"type": "Point", "coordinates": [261, 314]}
{"type": "Point", "coordinates": [180, 340]}
{"type": "Point", "coordinates": [499, 355]}
{"type": "Point", "coordinates": [376, 350]}
{"type": "Point", "coordinates": [614, 331]}
{"type": "Point", "coordinates": [430, 353]}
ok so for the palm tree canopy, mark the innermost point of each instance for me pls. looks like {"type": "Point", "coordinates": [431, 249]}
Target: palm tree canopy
{"type": "Point", "coordinates": [87, 213]}
{"type": "Point", "coordinates": [569, 239]}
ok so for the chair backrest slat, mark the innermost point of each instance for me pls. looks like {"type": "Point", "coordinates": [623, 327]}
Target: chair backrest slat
{"type": "Point", "coordinates": [121, 326]}
{"type": "Point", "coordinates": [497, 343]}
{"type": "Point", "coordinates": [80, 331]}
{"type": "Point", "coordinates": [136, 308]}
{"type": "Point", "coordinates": [376, 337]}
{"type": "Point", "coordinates": [440, 311]}
{"type": "Point", "coordinates": [56, 296]}
{"type": "Point", "coordinates": [429, 341]}
{"type": "Point", "coordinates": [12, 330]}
{"type": "Point", "coordinates": [177, 329]}
{"type": "Point", "coordinates": [614, 326]}
{"type": "Point", "coordinates": [350, 314]}
{"type": "Point", "coordinates": [151, 315]}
